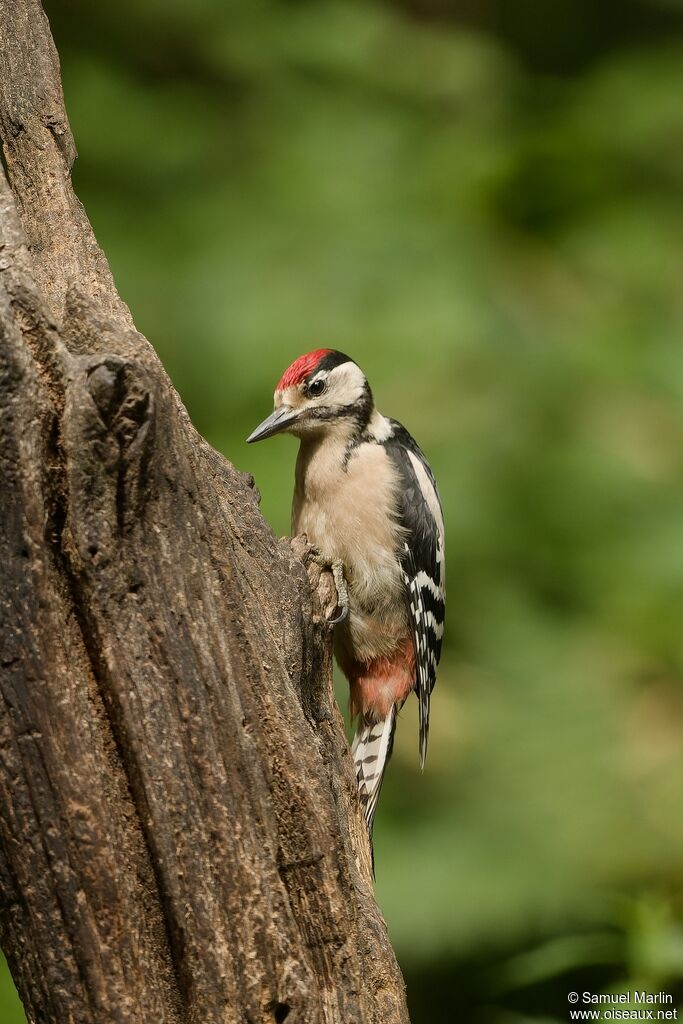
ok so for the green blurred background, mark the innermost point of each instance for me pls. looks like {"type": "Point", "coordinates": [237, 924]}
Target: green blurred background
{"type": "Point", "coordinates": [480, 200]}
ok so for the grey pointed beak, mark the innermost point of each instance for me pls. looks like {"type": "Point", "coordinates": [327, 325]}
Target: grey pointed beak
{"type": "Point", "coordinates": [277, 421]}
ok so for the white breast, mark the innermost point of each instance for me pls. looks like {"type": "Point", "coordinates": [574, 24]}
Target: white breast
{"type": "Point", "coordinates": [348, 511]}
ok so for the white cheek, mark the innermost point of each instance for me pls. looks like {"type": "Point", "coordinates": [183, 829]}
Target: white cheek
{"type": "Point", "coordinates": [346, 384]}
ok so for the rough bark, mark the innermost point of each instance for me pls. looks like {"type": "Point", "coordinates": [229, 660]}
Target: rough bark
{"type": "Point", "coordinates": [180, 839]}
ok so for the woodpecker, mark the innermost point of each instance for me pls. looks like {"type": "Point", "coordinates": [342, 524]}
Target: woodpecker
{"type": "Point", "coordinates": [365, 497]}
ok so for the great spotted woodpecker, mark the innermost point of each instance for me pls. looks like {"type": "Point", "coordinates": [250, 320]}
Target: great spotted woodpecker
{"type": "Point", "coordinates": [366, 499]}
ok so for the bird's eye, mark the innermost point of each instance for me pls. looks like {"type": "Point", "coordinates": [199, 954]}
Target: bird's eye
{"type": "Point", "coordinates": [316, 387]}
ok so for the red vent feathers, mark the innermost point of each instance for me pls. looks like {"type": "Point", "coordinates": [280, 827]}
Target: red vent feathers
{"type": "Point", "coordinates": [301, 368]}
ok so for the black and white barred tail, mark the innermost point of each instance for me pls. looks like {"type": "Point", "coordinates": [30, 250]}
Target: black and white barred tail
{"type": "Point", "coordinates": [372, 746]}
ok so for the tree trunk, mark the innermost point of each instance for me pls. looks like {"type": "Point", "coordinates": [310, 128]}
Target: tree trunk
{"type": "Point", "coordinates": [180, 835]}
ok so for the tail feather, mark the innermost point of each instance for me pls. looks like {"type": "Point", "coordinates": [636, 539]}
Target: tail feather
{"type": "Point", "coordinates": [372, 746]}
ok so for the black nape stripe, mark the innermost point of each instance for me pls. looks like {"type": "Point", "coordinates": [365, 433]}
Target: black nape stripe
{"type": "Point", "coordinates": [331, 360]}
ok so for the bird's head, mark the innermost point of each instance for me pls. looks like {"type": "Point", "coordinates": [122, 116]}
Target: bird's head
{"type": "Point", "coordinates": [321, 392]}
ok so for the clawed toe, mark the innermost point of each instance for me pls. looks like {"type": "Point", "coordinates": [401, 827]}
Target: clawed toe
{"type": "Point", "coordinates": [343, 614]}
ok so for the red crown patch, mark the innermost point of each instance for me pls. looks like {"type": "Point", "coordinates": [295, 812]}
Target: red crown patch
{"type": "Point", "coordinates": [301, 368]}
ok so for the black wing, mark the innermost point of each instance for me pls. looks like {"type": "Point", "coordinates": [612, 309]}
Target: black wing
{"type": "Point", "coordinates": [422, 560]}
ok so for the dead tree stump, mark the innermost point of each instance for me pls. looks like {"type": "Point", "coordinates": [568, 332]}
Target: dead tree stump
{"type": "Point", "coordinates": [180, 839]}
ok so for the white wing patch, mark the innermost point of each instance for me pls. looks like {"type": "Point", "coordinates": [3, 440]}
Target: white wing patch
{"type": "Point", "coordinates": [430, 496]}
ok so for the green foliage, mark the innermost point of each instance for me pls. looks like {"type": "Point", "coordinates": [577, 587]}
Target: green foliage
{"type": "Point", "coordinates": [11, 1011]}
{"type": "Point", "coordinates": [500, 250]}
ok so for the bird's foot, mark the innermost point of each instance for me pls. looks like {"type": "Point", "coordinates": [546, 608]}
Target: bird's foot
{"type": "Point", "coordinates": [337, 569]}
{"type": "Point", "coordinates": [342, 593]}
